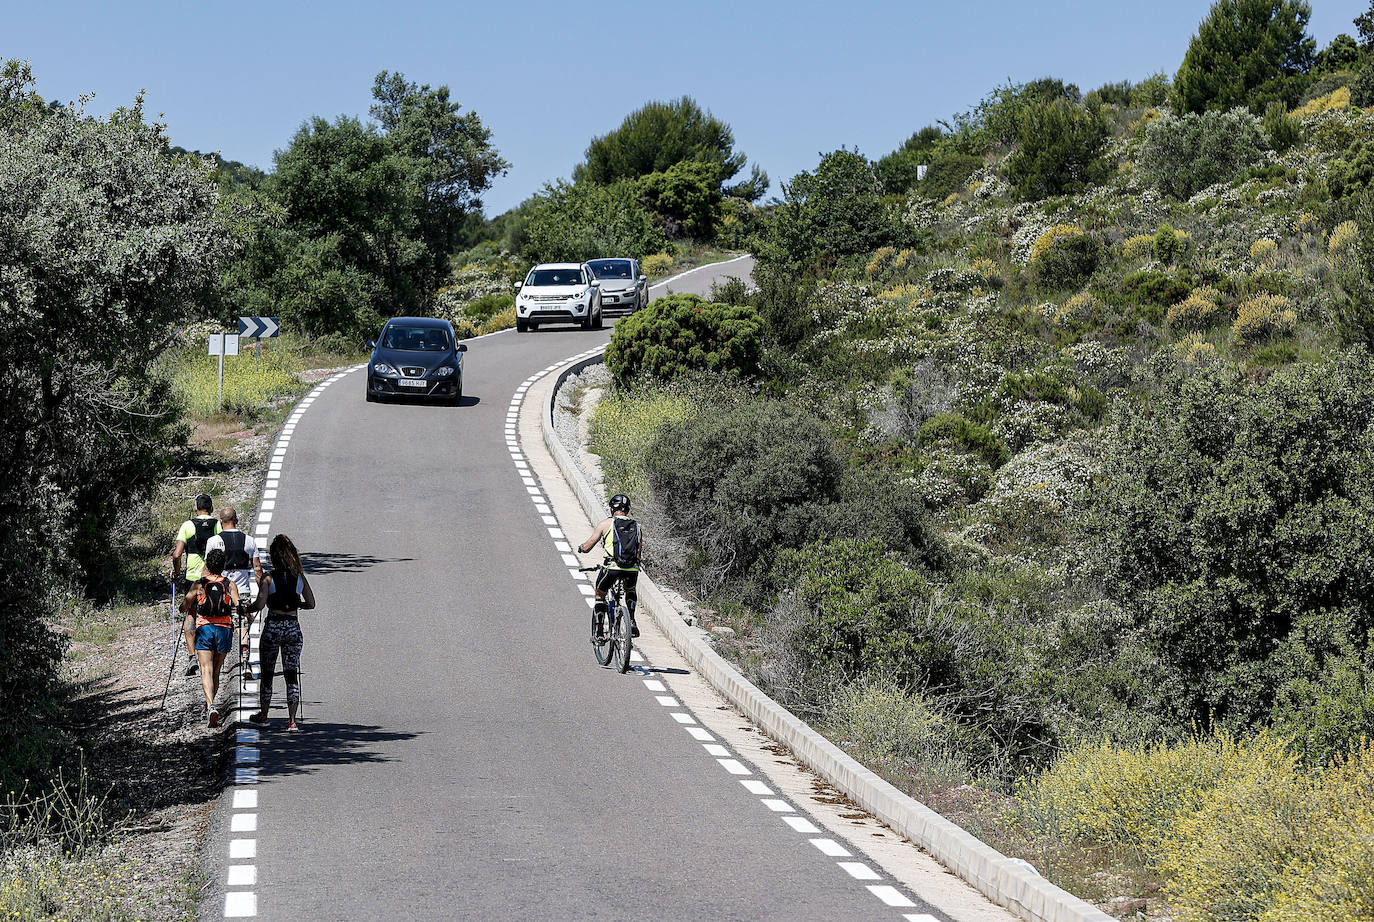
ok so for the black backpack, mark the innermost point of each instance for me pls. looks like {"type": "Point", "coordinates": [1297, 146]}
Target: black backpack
{"type": "Point", "coordinates": [235, 550]}
{"type": "Point", "coordinates": [626, 541]}
{"type": "Point", "coordinates": [205, 530]}
{"type": "Point", "coordinates": [283, 597]}
{"type": "Point", "coordinates": [214, 604]}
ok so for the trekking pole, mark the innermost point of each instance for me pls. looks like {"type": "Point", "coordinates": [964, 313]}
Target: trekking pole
{"type": "Point", "coordinates": [176, 645]}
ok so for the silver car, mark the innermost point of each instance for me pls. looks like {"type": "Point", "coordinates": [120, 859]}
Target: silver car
{"type": "Point", "coordinates": [624, 289]}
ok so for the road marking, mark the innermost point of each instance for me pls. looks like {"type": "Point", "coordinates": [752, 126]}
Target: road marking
{"type": "Point", "coordinates": [890, 895]}
{"type": "Point", "coordinates": [242, 875]}
{"type": "Point", "coordinates": [735, 767]}
{"type": "Point", "coordinates": [831, 848]}
{"type": "Point", "coordinates": [920, 917]}
{"type": "Point", "coordinates": [243, 848]}
{"type": "Point", "coordinates": [245, 800]}
{"type": "Point", "coordinates": [801, 824]}
{"type": "Point", "coordinates": [860, 871]}
{"type": "Point", "coordinates": [715, 749]}
{"type": "Point", "coordinates": [683, 718]}
{"type": "Point", "coordinates": [668, 701]}
{"type": "Point", "coordinates": [244, 822]}
{"type": "Point", "coordinates": [777, 806]}
{"type": "Point", "coordinates": [701, 734]}
{"type": "Point", "coordinates": [654, 685]}
{"type": "Point", "coordinates": [240, 904]}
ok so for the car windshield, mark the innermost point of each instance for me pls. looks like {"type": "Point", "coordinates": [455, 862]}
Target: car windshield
{"type": "Point", "coordinates": [612, 268]}
{"type": "Point", "coordinates": [415, 339]}
{"type": "Point", "coordinates": [556, 277]}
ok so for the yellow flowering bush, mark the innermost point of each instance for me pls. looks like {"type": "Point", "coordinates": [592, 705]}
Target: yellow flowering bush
{"type": "Point", "coordinates": [1197, 311]}
{"type": "Point", "coordinates": [1134, 797]}
{"type": "Point", "coordinates": [987, 268]}
{"type": "Point", "coordinates": [882, 259]}
{"type": "Point", "coordinates": [1140, 246]}
{"type": "Point", "coordinates": [1194, 350]}
{"type": "Point", "coordinates": [1336, 99]}
{"type": "Point", "coordinates": [624, 426]}
{"type": "Point", "coordinates": [1262, 317]}
{"type": "Point", "coordinates": [250, 381]}
{"type": "Point", "coordinates": [1264, 250]}
{"type": "Point", "coordinates": [1049, 238]}
{"type": "Point", "coordinates": [1081, 308]}
{"type": "Point", "coordinates": [1342, 242]}
{"type": "Point", "coordinates": [657, 264]}
{"type": "Point", "coordinates": [1305, 223]}
{"type": "Point", "coordinates": [501, 320]}
{"type": "Point", "coordinates": [951, 198]}
{"type": "Point", "coordinates": [901, 292]}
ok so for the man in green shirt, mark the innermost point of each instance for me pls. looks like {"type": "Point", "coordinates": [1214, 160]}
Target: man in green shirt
{"type": "Point", "coordinates": [191, 540]}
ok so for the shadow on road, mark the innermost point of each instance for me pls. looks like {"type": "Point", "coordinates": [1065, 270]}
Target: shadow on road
{"type": "Point", "coordinates": [321, 562]}
{"type": "Point", "coordinates": [469, 400]}
{"type": "Point", "coordinates": [319, 744]}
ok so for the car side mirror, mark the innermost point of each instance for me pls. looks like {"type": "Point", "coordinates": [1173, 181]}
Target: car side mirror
{"type": "Point", "coordinates": [371, 344]}
{"type": "Point", "coordinates": [462, 347]}
{"type": "Point", "coordinates": [644, 278]}
{"type": "Point", "coordinates": [518, 285]}
{"type": "Point", "coordinates": [595, 283]}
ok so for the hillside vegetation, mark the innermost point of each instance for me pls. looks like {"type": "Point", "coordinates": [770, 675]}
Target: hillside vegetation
{"type": "Point", "coordinates": [1051, 474]}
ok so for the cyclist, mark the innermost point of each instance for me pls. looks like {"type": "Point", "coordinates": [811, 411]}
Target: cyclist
{"type": "Point", "coordinates": [191, 540]}
{"type": "Point", "coordinates": [623, 543]}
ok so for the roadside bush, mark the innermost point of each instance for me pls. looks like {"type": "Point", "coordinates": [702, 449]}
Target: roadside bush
{"type": "Point", "coordinates": [687, 195]}
{"type": "Point", "coordinates": [1180, 156]}
{"type": "Point", "coordinates": [1236, 527]}
{"type": "Point", "coordinates": [1262, 317]}
{"type": "Point", "coordinates": [657, 265]}
{"type": "Point", "coordinates": [624, 427]}
{"type": "Point", "coordinates": [250, 382]}
{"type": "Point", "coordinates": [583, 221]}
{"type": "Point", "coordinates": [744, 482]}
{"type": "Point", "coordinates": [679, 334]}
{"type": "Point", "coordinates": [835, 213]}
{"type": "Point", "coordinates": [489, 305]}
{"type": "Point", "coordinates": [875, 719]}
{"type": "Point", "coordinates": [1135, 797]}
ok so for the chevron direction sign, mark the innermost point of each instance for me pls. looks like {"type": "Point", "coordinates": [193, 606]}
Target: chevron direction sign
{"type": "Point", "coordinates": [259, 326]}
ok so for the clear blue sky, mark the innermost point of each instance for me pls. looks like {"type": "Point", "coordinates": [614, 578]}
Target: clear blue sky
{"type": "Point", "coordinates": [793, 79]}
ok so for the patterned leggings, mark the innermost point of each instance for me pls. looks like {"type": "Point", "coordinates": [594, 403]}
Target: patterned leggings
{"type": "Point", "coordinates": [283, 636]}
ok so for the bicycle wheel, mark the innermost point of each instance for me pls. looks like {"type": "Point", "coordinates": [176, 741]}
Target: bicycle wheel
{"type": "Point", "coordinates": [603, 650]}
{"type": "Point", "coordinates": [622, 640]}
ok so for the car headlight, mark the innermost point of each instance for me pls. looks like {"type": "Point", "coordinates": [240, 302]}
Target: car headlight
{"type": "Point", "coordinates": [443, 371]}
{"type": "Point", "coordinates": [382, 368]}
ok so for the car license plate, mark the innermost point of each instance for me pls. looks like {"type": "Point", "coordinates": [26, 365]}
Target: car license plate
{"type": "Point", "coordinates": [409, 382]}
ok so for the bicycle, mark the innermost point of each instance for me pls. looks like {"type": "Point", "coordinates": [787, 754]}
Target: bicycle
{"type": "Point", "coordinates": [614, 645]}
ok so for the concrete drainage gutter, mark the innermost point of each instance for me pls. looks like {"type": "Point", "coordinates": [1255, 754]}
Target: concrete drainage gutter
{"type": "Point", "coordinates": [999, 878]}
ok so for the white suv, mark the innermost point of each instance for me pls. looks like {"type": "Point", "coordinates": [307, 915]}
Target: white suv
{"type": "Point", "coordinates": [558, 292]}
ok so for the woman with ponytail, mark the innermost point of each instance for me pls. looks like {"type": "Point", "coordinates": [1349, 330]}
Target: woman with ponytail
{"type": "Point", "coordinates": [283, 592]}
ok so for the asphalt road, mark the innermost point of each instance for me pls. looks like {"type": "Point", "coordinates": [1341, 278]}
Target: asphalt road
{"type": "Point", "coordinates": [461, 755]}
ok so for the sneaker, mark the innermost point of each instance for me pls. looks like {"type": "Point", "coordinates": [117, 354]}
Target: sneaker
{"type": "Point", "coordinates": [193, 668]}
{"type": "Point", "coordinates": [258, 718]}
{"type": "Point", "coordinates": [214, 718]}
{"type": "Point", "coordinates": [634, 628]}
{"type": "Point", "coordinates": [293, 726]}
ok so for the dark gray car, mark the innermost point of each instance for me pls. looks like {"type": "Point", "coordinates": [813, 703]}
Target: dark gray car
{"type": "Point", "coordinates": [624, 289]}
{"type": "Point", "coordinates": [416, 357]}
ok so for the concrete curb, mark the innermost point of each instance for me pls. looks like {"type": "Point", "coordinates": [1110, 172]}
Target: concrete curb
{"type": "Point", "coordinates": [993, 874]}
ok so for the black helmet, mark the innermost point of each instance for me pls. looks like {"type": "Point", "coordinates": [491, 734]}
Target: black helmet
{"type": "Point", "coordinates": [620, 503]}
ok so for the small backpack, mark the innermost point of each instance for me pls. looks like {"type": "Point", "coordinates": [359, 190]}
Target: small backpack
{"type": "Point", "coordinates": [626, 542]}
{"type": "Point", "coordinates": [205, 530]}
{"type": "Point", "coordinates": [215, 605]}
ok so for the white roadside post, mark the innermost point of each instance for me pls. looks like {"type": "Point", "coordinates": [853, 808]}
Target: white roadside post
{"type": "Point", "coordinates": [222, 344]}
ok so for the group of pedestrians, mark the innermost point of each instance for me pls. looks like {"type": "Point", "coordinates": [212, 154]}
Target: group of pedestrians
{"type": "Point", "coordinates": [224, 582]}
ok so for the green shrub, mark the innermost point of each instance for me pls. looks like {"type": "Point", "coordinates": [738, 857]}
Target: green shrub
{"type": "Point", "coordinates": [947, 173]}
{"type": "Point", "coordinates": [1067, 263]}
{"type": "Point", "coordinates": [251, 383]}
{"type": "Point", "coordinates": [584, 221]}
{"type": "Point", "coordinates": [1236, 521]}
{"type": "Point", "coordinates": [687, 194]}
{"type": "Point", "coordinates": [489, 305]}
{"type": "Point", "coordinates": [1170, 244]}
{"type": "Point", "coordinates": [975, 437]}
{"type": "Point", "coordinates": [1060, 149]}
{"type": "Point", "coordinates": [679, 334]}
{"type": "Point", "coordinates": [1181, 156]}
{"type": "Point", "coordinates": [835, 213]}
{"type": "Point", "coordinates": [875, 719]}
{"type": "Point", "coordinates": [1282, 130]}
{"type": "Point", "coordinates": [1247, 53]}
{"type": "Point", "coordinates": [1151, 287]}
{"type": "Point", "coordinates": [743, 482]}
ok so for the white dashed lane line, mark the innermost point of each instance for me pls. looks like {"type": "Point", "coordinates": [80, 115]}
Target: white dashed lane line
{"type": "Point", "coordinates": [857, 870]}
{"type": "Point", "coordinates": [241, 879]}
